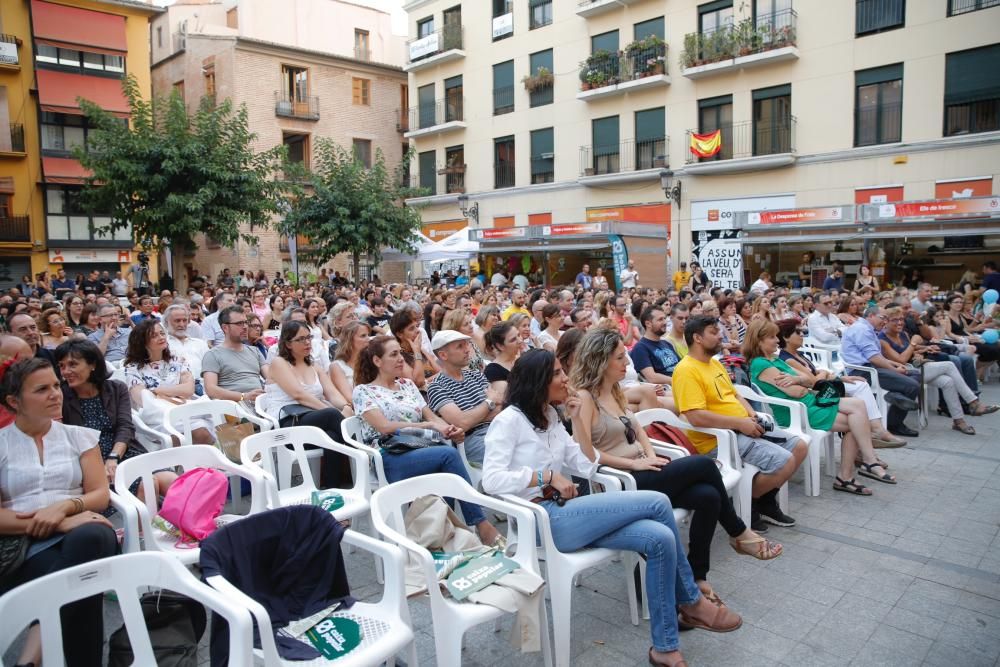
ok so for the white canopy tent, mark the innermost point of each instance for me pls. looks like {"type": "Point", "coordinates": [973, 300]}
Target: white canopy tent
{"type": "Point", "coordinates": [459, 243]}
{"type": "Point", "coordinates": [426, 251]}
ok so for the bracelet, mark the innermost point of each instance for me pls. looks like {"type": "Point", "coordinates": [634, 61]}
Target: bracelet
{"type": "Point", "coordinates": [78, 505]}
{"type": "Point", "coordinates": [540, 478]}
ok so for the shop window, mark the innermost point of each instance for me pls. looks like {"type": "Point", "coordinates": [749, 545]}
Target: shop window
{"type": "Point", "coordinates": [872, 16]}
{"type": "Point", "coordinates": [606, 149]}
{"type": "Point", "coordinates": [428, 171]}
{"type": "Point", "coordinates": [543, 157]}
{"type": "Point", "coordinates": [454, 169]}
{"type": "Point", "coordinates": [878, 115]}
{"type": "Point", "coordinates": [650, 138]}
{"type": "Point", "coordinates": [972, 91]}
{"type": "Point", "coordinates": [503, 88]}
{"type": "Point", "coordinates": [716, 113]}
{"type": "Point", "coordinates": [540, 13]}
{"type": "Point", "coordinates": [956, 7]}
{"type": "Point", "coordinates": [542, 86]}
{"type": "Point", "coordinates": [772, 120]}
{"type": "Point", "coordinates": [361, 91]}
{"type": "Point", "coordinates": [363, 152]}
{"type": "Point", "coordinates": [503, 162]}
{"type": "Point", "coordinates": [426, 106]}
{"type": "Point", "coordinates": [454, 99]}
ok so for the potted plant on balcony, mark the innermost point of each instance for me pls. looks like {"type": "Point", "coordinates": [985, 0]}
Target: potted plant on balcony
{"type": "Point", "coordinates": [542, 79]}
{"type": "Point", "coordinates": [745, 37]}
{"type": "Point", "coordinates": [691, 55]}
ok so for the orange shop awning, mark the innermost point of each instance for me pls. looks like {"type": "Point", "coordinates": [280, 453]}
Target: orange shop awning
{"type": "Point", "coordinates": [58, 92]}
{"type": "Point", "coordinates": [75, 28]}
{"type": "Point", "coordinates": [64, 170]}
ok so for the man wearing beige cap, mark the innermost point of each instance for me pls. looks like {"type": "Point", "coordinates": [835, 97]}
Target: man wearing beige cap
{"type": "Point", "coordinates": [461, 396]}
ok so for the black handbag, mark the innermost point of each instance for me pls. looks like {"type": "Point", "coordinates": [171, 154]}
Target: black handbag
{"type": "Point", "coordinates": [401, 443]}
{"type": "Point", "coordinates": [295, 412]}
{"type": "Point", "coordinates": [13, 549]}
{"type": "Point", "coordinates": [829, 392]}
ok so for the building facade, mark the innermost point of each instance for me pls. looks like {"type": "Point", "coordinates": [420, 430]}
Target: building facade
{"type": "Point", "coordinates": [305, 70]}
{"type": "Point", "coordinates": [565, 127]}
{"type": "Point", "coordinates": [52, 53]}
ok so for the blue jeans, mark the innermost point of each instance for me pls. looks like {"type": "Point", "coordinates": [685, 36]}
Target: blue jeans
{"type": "Point", "coordinates": [641, 521]}
{"type": "Point", "coordinates": [443, 458]}
{"type": "Point", "coordinates": [475, 445]}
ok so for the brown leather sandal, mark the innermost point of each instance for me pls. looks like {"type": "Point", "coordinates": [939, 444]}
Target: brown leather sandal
{"type": "Point", "coordinates": [724, 619]}
{"type": "Point", "coordinates": [663, 663]}
{"type": "Point", "coordinates": [757, 547]}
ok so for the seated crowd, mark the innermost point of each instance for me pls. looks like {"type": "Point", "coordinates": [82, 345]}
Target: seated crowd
{"type": "Point", "coordinates": [535, 389]}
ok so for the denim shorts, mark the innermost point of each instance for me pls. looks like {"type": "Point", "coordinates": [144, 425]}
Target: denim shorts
{"type": "Point", "coordinates": [767, 455]}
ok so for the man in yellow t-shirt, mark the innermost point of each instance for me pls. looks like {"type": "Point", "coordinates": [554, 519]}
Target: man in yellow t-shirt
{"type": "Point", "coordinates": [682, 277]}
{"type": "Point", "coordinates": [517, 301]}
{"type": "Point", "coordinates": [706, 397]}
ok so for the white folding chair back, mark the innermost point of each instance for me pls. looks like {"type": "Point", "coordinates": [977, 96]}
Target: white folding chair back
{"type": "Point", "coordinates": [178, 421]}
{"type": "Point", "coordinates": [147, 437]}
{"type": "Point", "coordinates": [193, 456]}
{"type": "Point", "coordinates": [836, 361]}
{"type": "Point", "coordinates": [258, 406]}
{"type": "Point", "coordinates": [353, 432]}
{"type": "Point", "coordinates": [127, 575]}
{"type": "Point", "coordinates": [451, 619]}
{"type": "Point", "coordinates": [284, 474]}
{"type": "Point", "coordinates": [821, 358]}
{"type": "Point", "coordinates": [385, 624]}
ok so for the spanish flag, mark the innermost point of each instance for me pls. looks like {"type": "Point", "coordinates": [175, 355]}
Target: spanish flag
{"type": "Point", "coordinates": [706, 145]}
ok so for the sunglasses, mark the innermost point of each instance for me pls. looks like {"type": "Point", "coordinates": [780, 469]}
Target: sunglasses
{"type": "Point", "coordinates": [629, 431]}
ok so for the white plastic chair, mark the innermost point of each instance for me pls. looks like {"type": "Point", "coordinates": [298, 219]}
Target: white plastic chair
{"type": "Point", "coordinates": [385, 624]}
{"type": "Point", "coordinates": [127, 575]}
{"type": "Point", "coordinates": [194, 456]}
{"type": "Point", "coordinates": [130, 523]}
{"type": "Point", "coordinates": [820, 357]}
{"type": "Point", "coordinates": [452, 618]}
{"type": "Point", "coordinates": [871, 376]}
{"type": "Point", "coordinates": [562, 568]}
{"type": "Point", "coordinates": [836, 360]}
{"type": "Point", "coordinates": [147, 437]}
{"type": "Point", "coordinates": [352, 430]}
{"type": "Point", "coordinates": [284, 475]}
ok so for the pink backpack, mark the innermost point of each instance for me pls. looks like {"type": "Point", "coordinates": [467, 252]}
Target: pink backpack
{"type": "Point", "coordinates": [194, 500]}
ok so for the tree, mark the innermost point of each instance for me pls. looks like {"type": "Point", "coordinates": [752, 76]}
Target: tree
{"type": "Point", "coordinates": [351, 208]}
{"type": "Point", "coordinates": [171, 174]}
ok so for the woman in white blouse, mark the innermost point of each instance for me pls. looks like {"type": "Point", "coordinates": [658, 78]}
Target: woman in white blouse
{"type": "Point", "coordinates": [530, 454]}
{"type": "Point", "coordinates": [52, 487]}
{"type": "Point", "coordinates": [353, 338]}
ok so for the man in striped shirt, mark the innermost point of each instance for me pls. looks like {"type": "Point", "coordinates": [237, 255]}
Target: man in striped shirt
{"type": "Point", "coordinates": [462, 397]}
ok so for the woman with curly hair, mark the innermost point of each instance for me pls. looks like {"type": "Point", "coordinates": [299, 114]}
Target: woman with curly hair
{"type": "Point", "coordinates": [418, 364]}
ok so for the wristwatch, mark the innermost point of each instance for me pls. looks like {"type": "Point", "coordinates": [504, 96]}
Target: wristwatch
{"type": "Point", "coordinates": [113, 457]}
{"type": "Point", "coordinates": [491, 404]}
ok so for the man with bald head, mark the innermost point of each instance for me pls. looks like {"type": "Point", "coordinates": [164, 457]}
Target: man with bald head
{"type": "Point", "coordinates": [517, 301]}
{"type": "Point", "coordinates": [12, 347]}
{"type": "Point", "coordinates": [537, 318]}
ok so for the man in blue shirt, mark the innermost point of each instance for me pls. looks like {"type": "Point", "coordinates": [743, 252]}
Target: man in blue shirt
{"type": "Point", "coordinates": [991, 279]}
{"type": "Point", "coordinates": [112, 337]}
{"type": "Point", "coordinates": [653, 357]}
{"type": "Point", "coordinates": [860, 347]}
{"type": "Point", "coordinates": [61, 284]}
{"type": "Point", "coordinates": [835, 280]}
{"type": "Point", "coordinates": [584, 279]}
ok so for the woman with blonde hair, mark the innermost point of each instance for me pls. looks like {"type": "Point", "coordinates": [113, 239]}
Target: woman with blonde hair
{"type": "Point", "coordinates": [522, 323]}
{"type": "Point", "coordinates": [353, 338]}
{"type": "Point", "coordinates": [605, 423]}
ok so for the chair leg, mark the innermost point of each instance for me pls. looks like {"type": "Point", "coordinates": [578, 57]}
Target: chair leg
{"type": "Point", "coordinates": [543, 629]}
{"type": "Point", "coordinates": [411, 654]}
{"type": "Point", "coordinates": [629, 560]}
{"type": "Point", "coordinates": [813, 469]}
{"type": "Point", "coordinates": [448, 648]}
{"type": "Point", "coordinates": [372, 533]}
{"type": "Point", "coordinates": [561, 591]}
{"type": "Point", "coordinates": [642, 582]}
{"type": "Point", "coordinates": [783, 497]}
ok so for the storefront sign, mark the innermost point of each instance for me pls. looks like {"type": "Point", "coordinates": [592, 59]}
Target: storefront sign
{"type": "Point", "coordinates": [941, 208]}
{"type": "Point", "coordinates": [657, 214]}
{"type": "Point", "coordinates": [502, 233]}
{"type": "Point", "coordinates": [82, 256]}
{"type": "Point", "coordinates": [436, 231]}
{"type": "Point", "coordinates": [963, 189]}
{"type": "Point", "coordinates": [720, 255]}
{"type": "Point", "coordinates": [503, 25]}
{"type": "Point", "coordinates": [619, 256]}
{"type": "Point", "coordinates": [8, 53]}
{"type": "Point", "coordinates": [424, 46]}
{"type": "Point", "coordinates": [720, 213]}
{"type": "Point", "coordinates": [825, 214]}
{"type": "Point", "coordinates": [571, 230]}
{"type": "Point", "coordinates": [878, 195]}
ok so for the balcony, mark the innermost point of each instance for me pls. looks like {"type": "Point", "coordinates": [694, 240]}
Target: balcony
{"type": "Point", "coordinates": [628, 161]}
{"type": "Point", "coordinates": [503, 100]}
{"type": "Point", "coordinates": [402, 120]}
{"type": "Point", "coordinates": [438, 47]}
{"type": "Point", "coordinates": [362, 54]}
{"type": "Point", "coordinates": [747, 146]}
{"type": "Point", "coordinates": [14, 146]}
{"type": "Point", "coordinates": [15, 229]}
{"type": "Point", "coordinates": [639, 66]}
{"type": "Point", "coordinates": [302, 244]}
{"type": "Point", "coordinates": [503, 175]}
{"type": "Point", "coordinates": [956, 7]}
{"type": "Point", "coordinates": [8, 50]}
{"type": "Point", "coordinates": [588, 8]}
{"type": "Point", "coordinates": [454, 178]}
{"type": "Point", "coordinates": [304, 108]}
{"type": "Point", "coordinates": [179, 41]}
{"type": "Point", "coordinates": [445, 115]}
{"type": "Point", "coordinates": [878, 125]}
{"type": "Point", "coordinates": [771, 39]}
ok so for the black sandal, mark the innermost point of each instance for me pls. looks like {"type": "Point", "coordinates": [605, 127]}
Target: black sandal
{"type": "Point", "coordinates": [865, 470]}
{"type": "Point", "coordinates": [850, 487]}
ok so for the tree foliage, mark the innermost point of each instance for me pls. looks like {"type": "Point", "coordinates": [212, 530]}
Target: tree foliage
{"type": "Point", "coordinates": [173, 174]}
{"type": "Point", "coordinates": [351, 208]}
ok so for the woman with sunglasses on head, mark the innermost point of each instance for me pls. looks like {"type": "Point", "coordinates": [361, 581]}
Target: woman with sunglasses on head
{"type": "Point", "coordinates": [530, 454]}
{"type": "Point", "coordinates": [605, 423]}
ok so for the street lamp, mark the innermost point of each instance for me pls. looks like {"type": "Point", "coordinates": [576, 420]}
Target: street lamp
{"type": "Point", "coordinates": [671, 188]}
{"type": "Point", "coordinates": [468, 211]}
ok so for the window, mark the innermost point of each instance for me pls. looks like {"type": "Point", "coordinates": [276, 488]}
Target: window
{"type": "Point", "coordinates": [878, 105]}
{"type": "Point", "coordinates": [454, 169]}
{"type": "Point", "coordinates": [540, 13]}
{"type": "Point", "coordinates": [543, 157]}
{"type": "Point", "coordinates": [715, 15]}
{"type": "Point", "coordinates": [361, 91]}
{"type": "Point", "coordinates": [67, 220]}
{"type": "Point", "coordinates": [872, 16]}
{"type": "Point", "coordinates": [428, 171]}
{"type": "Point", "coordinates": [652, 27]}
{"type": "Point", "coordinates": [604, 60]}
{"type": "Point", "coordinates": [179, 89]}
{"type": "Point", "coordinates": [956, 7]}
{"type": "Point", "coordinates": [425, 27]}
{"type": "Point", "coordinates": [210, 82]}
{"type": "Point", "coordinates": [503, 88]}
{"type": "Point", "coordinates": [607, 41]}
{"type": "Point", "coordinates": [650, 138]}
{"type": "Point", "coordinates": [297, 146]}
{"type": "Point", "coordinates": [361, 48]}
{"type": "Point", "coordinates": [426, 106]}
{"type": "Point", "coordinates": [604, 133]}
{"type": "Point", "coordinates": [159, 37]}
{"type": "Point", "coordinates": [972, 91]}
{"type": "Point", "coordinates": [716, 113]}
{"type": "Point", "coordinates": [454, 102]}
{"type": "Point", "coordinates": [503, 162]}
{"type": "Point", "coordinates": [772, 120]}
{"type": "Point", "coordinates": [233, 18]}
{"type": "Point", "coordinates": [84, 61]}
{"type": "Point", "coordinates": [503, 19]}
{"type": "Point", "coordinates": [541, 93]}
{"type": "Point", "coordinates": [6, 206]}
{"type": "Point", "coordinates": [295, 83]}
{"type": "Point", "coordinates": [363, 152]}
{"type": "Point", "coordinates": [62, 132]}
{"type": "Point", "coordinates": [452, 34]}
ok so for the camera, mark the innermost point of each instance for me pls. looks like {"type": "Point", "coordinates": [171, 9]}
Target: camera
{"type": "Point", "coordinates": [765, 422]}
{"type": "Point", "coordinates": [143, 258]}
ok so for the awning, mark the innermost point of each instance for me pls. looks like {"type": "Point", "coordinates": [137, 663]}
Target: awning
{"type": "Point", "coordinates": [63, 170]}
{"type": "Point", "coordinates": [58, 92]}
{"type": "Point", "coordinates": [75, 28]}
